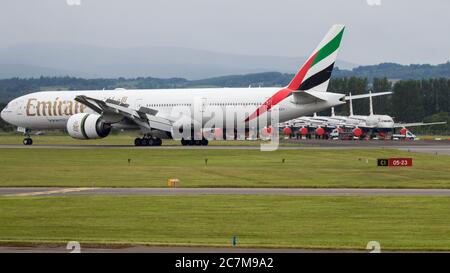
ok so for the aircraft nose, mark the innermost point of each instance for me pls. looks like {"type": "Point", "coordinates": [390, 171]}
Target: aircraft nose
{"type": "Point", "coordinates": [4, 115]}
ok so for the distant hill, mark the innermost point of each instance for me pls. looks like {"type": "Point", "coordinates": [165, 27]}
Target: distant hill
{"type": "Point", "coordinates": [162, 62]}
{"type": "Point", "coordinates": [90, 62]}
{"type": "Point", "coordinates": [385, 70]}
{"type": "Point", "coordinates": [397, 71]}
{"type": "Point", "coordinates": [31, 71]}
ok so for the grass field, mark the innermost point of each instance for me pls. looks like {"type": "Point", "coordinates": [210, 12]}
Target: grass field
{"type": "Point", "coordinates": [225, 168]}
{"type": "Point", "coordinates": [428, 137]}
{"type": "Point", "coordinates": [400, 223]}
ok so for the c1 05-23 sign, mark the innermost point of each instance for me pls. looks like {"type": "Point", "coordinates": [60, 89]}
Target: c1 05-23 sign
{"type": "Point", "coordinates": [395, 162]}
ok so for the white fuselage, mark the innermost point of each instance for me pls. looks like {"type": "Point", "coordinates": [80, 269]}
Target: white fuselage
{"type": "Point", "coordinates": [52, 109]}
{"type": "Point", "coordinates": [372, 121]}
{"type": "Point", "coordinates": [383, 122]}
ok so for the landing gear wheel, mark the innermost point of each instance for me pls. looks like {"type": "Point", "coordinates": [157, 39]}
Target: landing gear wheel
{"type": "Point", "coordinates": [158, 142]}
{"type": "Point", "coordinates": [27, 141]}
{"type": "Point", "coordinates": [137, 142]}
{"type": "Point", "coordinates": [204, 142]}
{"type": "Point", "coordinates": [149, 142]}
{"type": "Point", "coordinates": [184, 142]}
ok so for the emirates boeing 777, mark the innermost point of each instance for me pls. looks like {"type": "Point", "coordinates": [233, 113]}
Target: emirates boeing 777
{"type": "Point", "coordinates": [167, 113]}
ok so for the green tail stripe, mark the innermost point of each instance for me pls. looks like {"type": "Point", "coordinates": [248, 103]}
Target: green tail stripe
{"type": "Point", "coordinates": [329, 48]}
{"type": "Point", "coordinates": [82, 126]}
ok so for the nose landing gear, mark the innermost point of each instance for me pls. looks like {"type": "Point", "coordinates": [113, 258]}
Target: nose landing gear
{"type": "Point", "coordinates": [27, 140]}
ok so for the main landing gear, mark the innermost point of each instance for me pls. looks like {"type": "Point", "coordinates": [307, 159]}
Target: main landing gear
{"type": "Point", "coordinates": [147, 141]}
{"type": "Point", "coordinates": [192, 142]}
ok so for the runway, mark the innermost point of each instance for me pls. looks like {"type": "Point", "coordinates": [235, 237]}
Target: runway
{"type": "Point", "coordinates": [30, 192]}
{"type": "Point", "coordinates": [164, 249]}
{"type": "Point", "coordinates": [55, 248]}
{"type": "Point", "coordinates": [421, 146]}
{"type": "Point", "coordinates": [436, 150]}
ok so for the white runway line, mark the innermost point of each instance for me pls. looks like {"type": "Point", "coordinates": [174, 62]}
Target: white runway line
{"type": "Point", "coordinates": [48, 192]}
{"type": "Point", "coordinates": [19, 192]}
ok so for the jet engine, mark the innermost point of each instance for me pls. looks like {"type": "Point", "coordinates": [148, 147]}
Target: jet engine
{"type": "Point", "coordinates": [87, 126]}
{"type": "Point", "coordinates": [303, 131]}
{"type": "Point", "coordinates": [357, 132]}
{"type": "Point", "coordinates": [287, 131]}
{"type": "Point", "coordinates": [320, 131]}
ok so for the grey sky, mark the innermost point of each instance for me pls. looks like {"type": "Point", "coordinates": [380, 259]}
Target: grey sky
{"type": "Point", "coordinates": [404, 31]}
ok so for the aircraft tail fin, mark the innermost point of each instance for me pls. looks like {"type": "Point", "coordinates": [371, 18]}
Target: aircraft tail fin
{"type": "Point", "coordinates": [315, 74]}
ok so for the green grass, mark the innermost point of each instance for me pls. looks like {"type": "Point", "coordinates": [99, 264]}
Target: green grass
{"type": "Point", "coordinates": [400, 223]}
{"type": "Point", "coordinates": [432, 137]}
{"type": "Point", "coordinates": [226, 168]}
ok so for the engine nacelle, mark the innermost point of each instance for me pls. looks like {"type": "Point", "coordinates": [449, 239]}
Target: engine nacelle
{"type": "Point", "coordinates": [87, 126]}
{"type": "Point", "coordinates": [287, 131]}
{"type": "Point", "coordinates": [304, 131]}
{"type": "Point", "coordinates": [357, 132]}
{"type": "Point", "coordinates": [320, 131]}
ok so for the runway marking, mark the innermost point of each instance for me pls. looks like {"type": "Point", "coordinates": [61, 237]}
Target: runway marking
{"type": "Point", "coordinates": [59, 191]}
{"type": "Point", "coordinates": [224, 191]}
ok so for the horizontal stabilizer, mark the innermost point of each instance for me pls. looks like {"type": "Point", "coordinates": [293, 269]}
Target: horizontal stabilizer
{"type": "Point", "coordinates": [363, 96]}
{"type": "Point", "coordinates": [305, 97]}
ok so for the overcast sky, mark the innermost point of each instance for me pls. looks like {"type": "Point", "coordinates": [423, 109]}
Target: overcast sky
{"type": "Point", "coordinates": [404, 31]}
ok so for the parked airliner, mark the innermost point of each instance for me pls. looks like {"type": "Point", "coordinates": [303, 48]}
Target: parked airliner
{"type": "Point", "coordinates": [361, 125]}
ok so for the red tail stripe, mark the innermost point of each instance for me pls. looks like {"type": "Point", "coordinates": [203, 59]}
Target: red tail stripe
{"type": "Point", "coordinates": [283, 93]}
{"type": "Point", "coordinates": [298, 79]}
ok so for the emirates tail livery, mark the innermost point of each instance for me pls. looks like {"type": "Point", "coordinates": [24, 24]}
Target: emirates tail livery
{"type": "Point", "coordinates": [173, 113]}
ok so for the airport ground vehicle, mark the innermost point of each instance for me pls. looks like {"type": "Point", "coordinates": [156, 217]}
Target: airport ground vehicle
{"type": "Point", "coordinates": [407, 136]}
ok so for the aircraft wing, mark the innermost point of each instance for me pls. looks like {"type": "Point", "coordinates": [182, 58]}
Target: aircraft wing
{"type": "Point", "coordinates": [306, 97]}
{"type": "Point", "coordinates": [114, 111]}
{"type": "Point", "coordinates": [355, 97]}
{"type": "Point", "coordinates": [401, 125]}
